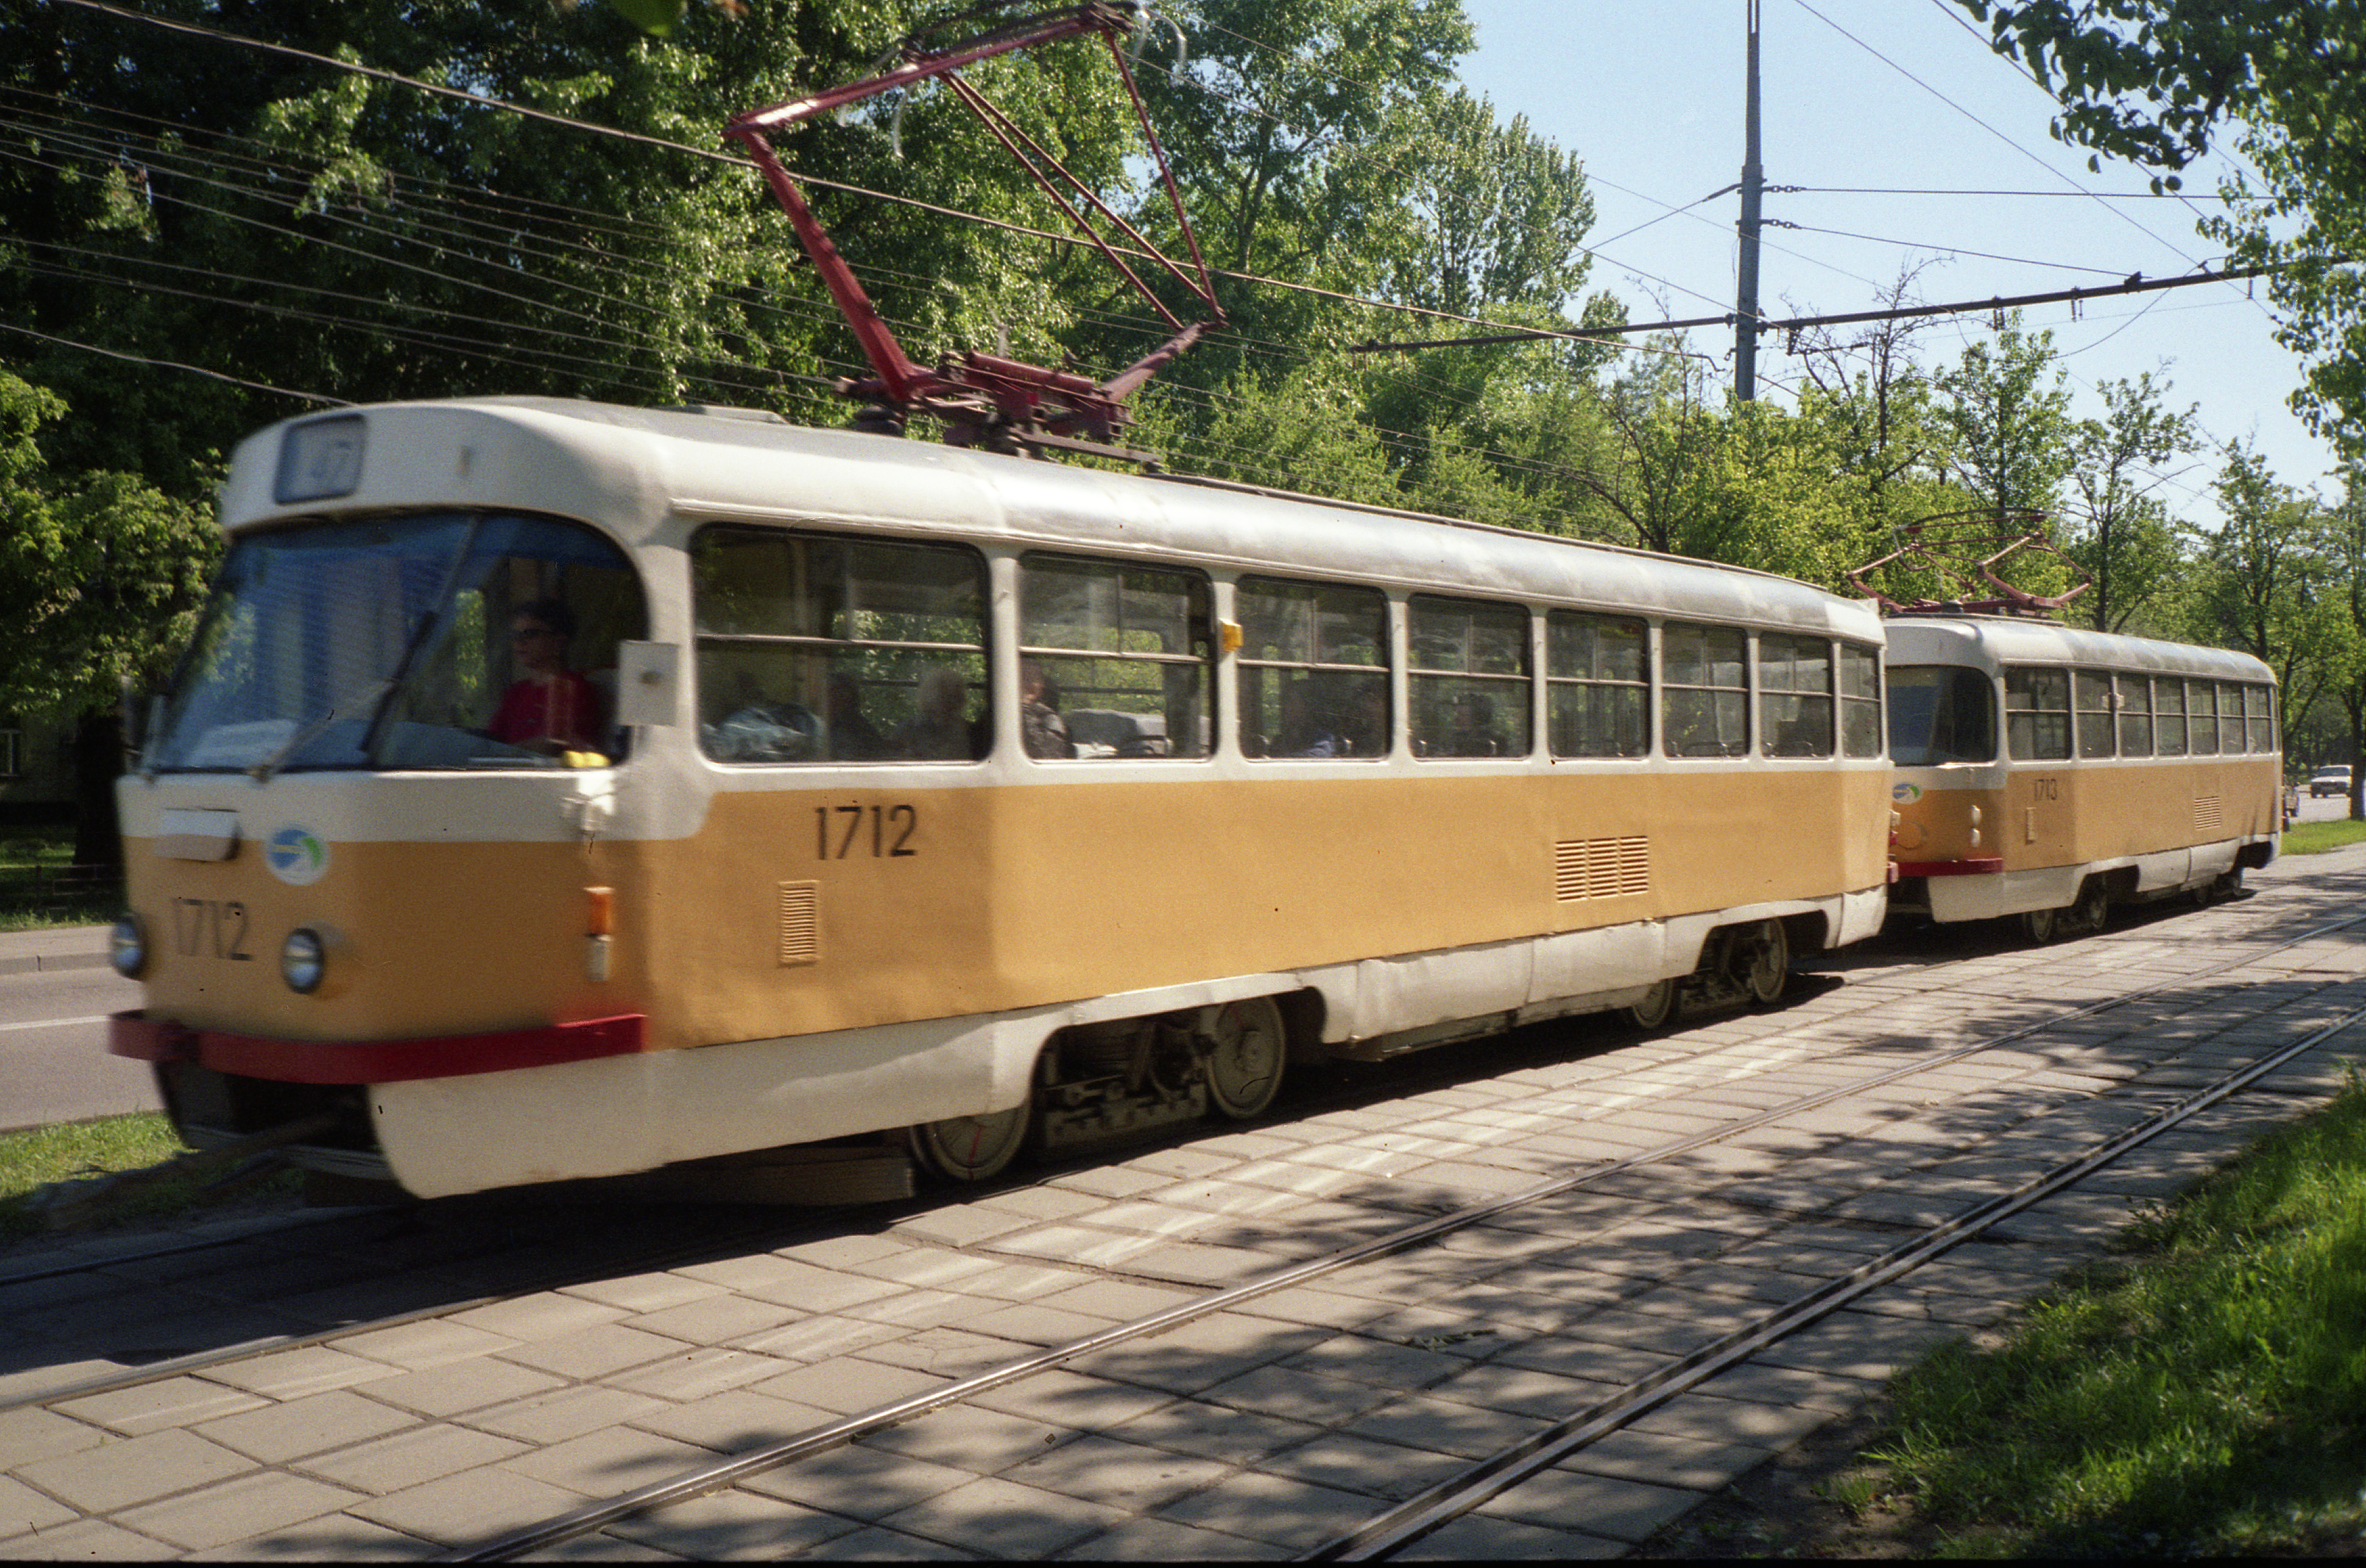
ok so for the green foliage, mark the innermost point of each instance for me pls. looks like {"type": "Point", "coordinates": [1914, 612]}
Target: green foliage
{"type": "Point", "coordinates": [2007, 409]}
{"type": "Point", "coordinates": [2117, 530]}
{"type": "Point", "coordinates": [106, 572]}
{"type": "Point", "coordinates": [2153, 81]}
{"type": "Point", "coordinates": [2202, 1399]}
{"type": "Point", "coordinates": [2259, 582]}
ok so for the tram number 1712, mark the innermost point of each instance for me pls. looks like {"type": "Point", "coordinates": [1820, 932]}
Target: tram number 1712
{"type": "Point", "coordinates": [890, 837]}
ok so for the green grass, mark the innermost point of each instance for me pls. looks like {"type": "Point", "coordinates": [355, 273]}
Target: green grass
{"type": "Point", "coordinates": [2202, 1393]}
{"type": "Point", "coordinates": [73, 1149]}
{"type": "Point", "coordinates": [2316, 838]}
{"type": "Point", "coordinates": [22, 850]}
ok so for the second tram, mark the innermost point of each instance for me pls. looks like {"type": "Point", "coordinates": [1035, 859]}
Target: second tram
{"type": "Point", "coordinates": [2049, 773]}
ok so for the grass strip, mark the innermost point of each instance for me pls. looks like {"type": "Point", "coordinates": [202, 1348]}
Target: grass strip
{"type": "Point", "coordinates": [74, 1150]}
{"type": "Point", "coordinates": [2201, 1392]}
{"type": "Point", "coordinates": [2316, 838]}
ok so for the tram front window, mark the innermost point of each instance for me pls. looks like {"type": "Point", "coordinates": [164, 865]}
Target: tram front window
{"type": "Point", "coordinates": [1940, 713]}
{"type": "Point", "coordinates": [441, 640]}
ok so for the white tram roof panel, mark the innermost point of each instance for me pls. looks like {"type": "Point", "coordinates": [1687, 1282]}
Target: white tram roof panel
{"type": "Point", "coordinates": [644, 472]}
{"type": "Point", "coordinates": [1990, 642]}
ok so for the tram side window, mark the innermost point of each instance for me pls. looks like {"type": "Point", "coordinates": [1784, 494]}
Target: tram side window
{"type": "Point", "coordinates": [2230, 717]}
{"type": "Point", "coordinates": [1124, 654]}
{"type": "Point", "coordinates": [2135, 698]}
{"type": "Point", "coordinates": [2259, 707]}
{"type": "Point", "coordinates": [1467, 678]}
{"type": "Point", "coordinates": [1596, 684]}
{"type": "Point", "coordinates": [1940, 713]}
{"type": "Point", "coordinates": [817, 648]}
{"type": "Point", "coordinates": [1705, 698]}
{"type": "Point", "coordinates": [2202, 716]}
{"type": "Point", "coordinates": [1795, 695]}
{"type": "Point", "coordinates": [2037, 714]}
{"type": "Point", "coordinates": [1313, 670]}
{"type": "Point", "coordinates": [2169, 718]}
{"type": "Point", "coordinates": [2094, 692]}
{"type": "Point", "coordinates": [1859, 701]}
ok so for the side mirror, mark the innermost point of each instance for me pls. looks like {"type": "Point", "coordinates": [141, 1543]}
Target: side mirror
{"type": "Point", "coordinates": [649, 681]}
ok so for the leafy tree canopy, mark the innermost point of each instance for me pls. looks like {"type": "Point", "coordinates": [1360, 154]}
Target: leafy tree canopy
{"type": "Point", "coordinates": [2153, 81]}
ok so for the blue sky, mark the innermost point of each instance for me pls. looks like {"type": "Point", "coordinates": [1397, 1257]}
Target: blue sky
{"type": "Point", "coordinates": [1650, 96]}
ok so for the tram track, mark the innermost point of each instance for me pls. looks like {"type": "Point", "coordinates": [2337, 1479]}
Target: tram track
{"type": "Point", "coordinates": [1489, 1478]}
{"type": "Point", "coordinates": [1406, 1077]}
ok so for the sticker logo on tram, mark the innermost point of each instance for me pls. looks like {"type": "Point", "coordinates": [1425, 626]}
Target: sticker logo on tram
{"type": "Point", "coordinates": [297, 855]}
{"type": "Point", "coordinates": [1905, 793]}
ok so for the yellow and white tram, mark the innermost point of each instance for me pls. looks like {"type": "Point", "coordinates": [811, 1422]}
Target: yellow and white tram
{"type": "Point", "coordinates": [555, 789]}
{"type": "Point", "coordinates": [2049, 773]}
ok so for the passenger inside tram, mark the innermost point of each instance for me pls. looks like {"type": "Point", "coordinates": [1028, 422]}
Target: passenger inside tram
{"type": "Point", "coordinates": [940, 730]}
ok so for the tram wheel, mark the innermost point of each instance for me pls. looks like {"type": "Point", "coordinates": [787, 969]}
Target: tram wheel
{"type": "Point", "coordinates": [974, 1148]}
{"type": "Point", "coordinates": [1658, 1005]}
{"type": "Point", "coordinates": [2092, 911]}
{"type": "Point", "coordinates": [2043, 925]}
{"type": "Point", "coordinates": [1770, 962]}
{"type": "Point", "coordinates": [1245, 1059]}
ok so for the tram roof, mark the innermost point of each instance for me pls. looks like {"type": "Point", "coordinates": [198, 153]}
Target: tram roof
{"type": "Point", "coordinates": [1992, 640]}
{"type": "Point", "coordinates": [644, 472]}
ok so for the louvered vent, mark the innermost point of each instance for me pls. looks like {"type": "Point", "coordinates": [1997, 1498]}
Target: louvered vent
{"type": "Point", "coordinates": [1601, 868]}
{"type": "Point", "coordinates": [800, 922]}
{"type": "Point", "coordinates": [2206, 817]}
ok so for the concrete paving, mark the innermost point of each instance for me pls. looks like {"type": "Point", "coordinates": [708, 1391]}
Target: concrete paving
{"type": "Point", "coordinates": [1256, 1432]}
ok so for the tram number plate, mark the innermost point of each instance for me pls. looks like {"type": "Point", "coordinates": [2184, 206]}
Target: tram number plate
{"type": "Point", "coordinates": [885, 832]}
{"type": "Point", "coordinates": [2046, 789]}
{"type": "Point", "coordinates": [211, 926]}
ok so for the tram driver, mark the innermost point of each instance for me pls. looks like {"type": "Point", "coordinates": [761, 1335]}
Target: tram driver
{"type": "Point", "coordinates": [549, 708]}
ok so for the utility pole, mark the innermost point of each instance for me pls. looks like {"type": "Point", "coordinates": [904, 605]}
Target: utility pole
{"type": "Point", "coordinates": [1745, 303]}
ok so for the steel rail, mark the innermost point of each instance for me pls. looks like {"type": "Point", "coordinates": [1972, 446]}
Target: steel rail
{"type": "Point", "coordinates": [1450, 1500]}
{"type": "Point", "coordinates": [704, 1479]}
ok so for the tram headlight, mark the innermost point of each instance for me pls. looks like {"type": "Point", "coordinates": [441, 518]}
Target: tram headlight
{"type": "Point", "coordinates": [126, 946]}
{"type": "Point", "coordinates": [303, 959]}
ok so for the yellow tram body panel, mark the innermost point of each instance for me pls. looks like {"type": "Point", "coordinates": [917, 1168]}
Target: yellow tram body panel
{"type": "Point", "coordinates": [1003, 897]}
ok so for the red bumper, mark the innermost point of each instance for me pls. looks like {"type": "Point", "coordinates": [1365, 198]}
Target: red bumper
{"type": "Point", "coordinates": [372, 1061]}
{"type": "Point", "coordinates": [1990, 866]}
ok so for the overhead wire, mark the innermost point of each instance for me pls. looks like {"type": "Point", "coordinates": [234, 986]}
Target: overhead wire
{"type": "Point", "coordinates": [593, 126]}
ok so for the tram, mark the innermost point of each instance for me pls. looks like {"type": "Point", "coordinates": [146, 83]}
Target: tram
{"type": "Point", "coordinates": [2049, 773]}
{"type": "Point", "coordinates": [555, 789]}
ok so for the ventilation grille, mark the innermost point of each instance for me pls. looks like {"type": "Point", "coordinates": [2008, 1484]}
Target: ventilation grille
{"type": "Point", "coordinates": [1601, 868]}
{"type": "Point", "coordinates": [2207, 818]}
{"type": "Point", "coordinates": [800, 922]}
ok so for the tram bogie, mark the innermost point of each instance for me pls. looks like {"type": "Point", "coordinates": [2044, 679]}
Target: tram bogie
{"type": "Point", "coordinates": [568, 790]}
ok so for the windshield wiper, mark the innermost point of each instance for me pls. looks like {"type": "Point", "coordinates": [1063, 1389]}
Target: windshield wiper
{"type": "Point", "coordinates": [261, 772]}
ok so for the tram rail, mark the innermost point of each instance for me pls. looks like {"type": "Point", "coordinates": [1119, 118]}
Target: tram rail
{"type": "Point", "coordinates": [1398, 1526]}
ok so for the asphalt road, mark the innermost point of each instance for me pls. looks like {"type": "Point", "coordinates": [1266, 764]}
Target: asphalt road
{"type": "Point", "coordinates": [53, 1060]}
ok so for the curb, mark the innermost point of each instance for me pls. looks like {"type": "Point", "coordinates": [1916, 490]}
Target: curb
{"type": "Point", "coordinates": [43, 962]}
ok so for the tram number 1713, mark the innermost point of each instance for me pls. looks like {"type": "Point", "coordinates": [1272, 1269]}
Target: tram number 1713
{"type": "Point", "coordinates": [890, 837]}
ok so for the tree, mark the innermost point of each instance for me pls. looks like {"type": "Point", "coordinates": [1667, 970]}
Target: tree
{"type": "Point", "coordinates": [104, 575]}
{"type": "Point", "coordinates": [2348, 532]}
{"type": "Point", "coordinates": [2153, 81]}
{"type": "Point", "coordinates": [2262, 580]}
{"type": "Point", "coordinates": [2120, 533]}
{"type": "Point", "coordinates": [2008, 422]}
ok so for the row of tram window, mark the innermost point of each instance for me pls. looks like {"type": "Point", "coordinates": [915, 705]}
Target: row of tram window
{"type": "Point", "coordinates": [819, 648]}
{"type": "Point", "coordinates": [1948, 713]}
